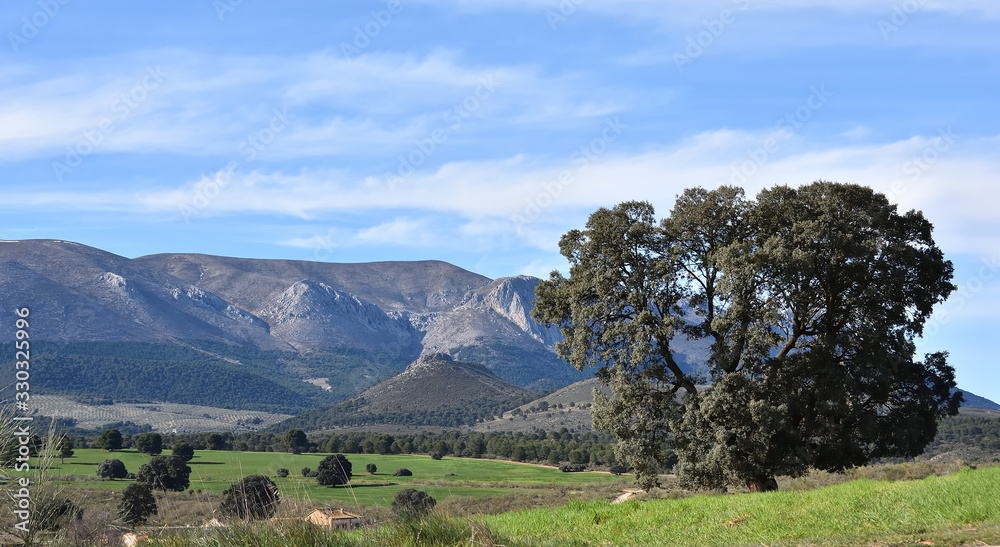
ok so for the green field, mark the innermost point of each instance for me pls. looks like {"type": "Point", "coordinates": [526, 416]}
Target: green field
{"type": "Point", "coordinates": [214, 471]}
{"type": "Point", "coordinates": [947, 510]}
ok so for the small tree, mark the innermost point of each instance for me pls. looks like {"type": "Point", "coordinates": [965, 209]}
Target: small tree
{"type": "Point", "coordinates": [371, 468]}
{"type": "Point", "coordinates": [403, 472]}
{"type": "Point", "coordinates": [137, 504]}
{"type": "Point", "coordinates": [215, 441]}
{"type": "Point", "coordinates": [65, 447]}
{"type": "Point", "coordinates": [295, 440]}
{"type": "Point", "coordinates": [110, 440]}
{"type": "Point", "coordinates": [411, 503]}
{"type": "Point", "coordinates": [334, 470]}
{"type": "Point", "coordinates": [306, 471]}
{"type": "Point", "coordinates": [281, 472]}
{"type": "Point", "coordinates": [183, 450]}
{"type": "Point", "coordinates": [254, 497]}
{"type": "Point", "coordinates": [149, 443]}
{"type": "Point", "coordinates": [112, 469]}
{"type": "Point", "coordinates": [165, 473]}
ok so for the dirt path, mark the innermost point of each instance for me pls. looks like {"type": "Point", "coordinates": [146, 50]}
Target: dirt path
{"type": "Point", "coordinates": [625, 496]}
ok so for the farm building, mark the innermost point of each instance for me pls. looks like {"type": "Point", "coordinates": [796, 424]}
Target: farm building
{"type": "Point", "coordinates": [335, 518]}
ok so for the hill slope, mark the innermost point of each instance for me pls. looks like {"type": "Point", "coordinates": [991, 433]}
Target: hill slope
{"type": "Point", "coordinates": [433, 390]}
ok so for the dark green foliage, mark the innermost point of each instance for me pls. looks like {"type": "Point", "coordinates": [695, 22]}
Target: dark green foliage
{"type": "Point", "coordinates": [214, 441]}
{"type": "Point", "coordinates": [436, 456]}
{"type": "Point", "coordinates": [112, 469]}
{"type": "Point", "coordinates": [111, 440]}
{"type": "Point", "coordinates": [334, 470]}
{"type": "Point", "coordinates": [348, 414]}
{"type": "Point", "coordinates": [810, 300]}
{"type": "Point", "coordinates": [65, 447]}
{"type": "Point", "coordinates": [149, 443]}
{"type": "Point", "coordinates": [403, 472]}
{"type": "Point", "coordinates": [617, 469]}
{"type": "Point", "coordinates": [411, 503]}
{"type": "Point", "coordinates": [371, 468]}
{"type": "Point", "coordinates": [53, 513]}
{"type": "Point", "coordinates": [137, 504]}
{"type": "Point", "coordinates": [295, 440]}
{"type": "Point", "coordinates": [281, 472]}
{"type": "Point", "coordinates": [135, 372]}
{"type": "Point", "coordinates": [254, 497]}
{"type": "Point", "coordinates": [306, 471]}
{"type": "Point", "coordinates": [183, 450]}
{"type": "Point", "coordinates": [165, 473]}
{"type": "Point", "coordinates": [572, 467]}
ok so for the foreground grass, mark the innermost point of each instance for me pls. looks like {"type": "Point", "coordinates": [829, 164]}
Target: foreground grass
{"type": "Point", "coordinates": [964, 506]}
{"type": "Point", "coordinates": [958, 509]}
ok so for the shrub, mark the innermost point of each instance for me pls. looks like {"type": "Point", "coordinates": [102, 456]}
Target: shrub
{"type": "Point", "coordinates": [371, 468]}
{"type": "Point", "coordinates": [254, 497]}
{"type": "Point", "coordinates": [412, 503]}
{"type": "Point", "coordinates": [165, 473]}
{"type": "Point", "coordinates": [112, 469]}
{"type": "Point", "coordinates": [572, 467]}
{"type": "Point", "coordinates": [306, 471]}
{"type": "Point", "coordinates": [282, 472]}
{"type": "Point", "coordinates": [436, 456]}
{"type": "Point", "coordinates": [137, 504]}
{"type": "Point", "coordinates": [403, 472]}
{"type": "Point", "coordinates": [618, 469]}
{"type": "Point", "coordinates": [334, 470]}
{"type": "Point", "coordinates": [183, 450]}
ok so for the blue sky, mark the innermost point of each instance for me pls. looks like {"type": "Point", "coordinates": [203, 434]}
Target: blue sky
{"type": "Point", "coordinates": [477, 132]}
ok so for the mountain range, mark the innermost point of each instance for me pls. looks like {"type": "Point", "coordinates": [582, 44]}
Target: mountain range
{"type": "Point", "coordinates": [379, 340]}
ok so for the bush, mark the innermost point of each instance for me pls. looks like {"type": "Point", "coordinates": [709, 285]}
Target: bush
{"type": "Point", "coordinates": [618, 469]}
{"type": "Point", "coordinates": [436, 456]}
{"type": "Point", "coordinates": [411, 503]}
{"type": "Point", "coordinates": [371, 468]}
{"type": "Point", "coordinates": [53, 513]}
{"type": "Point", "coordinates": [149, 443]}
{"type": "Point", "coordinates": [334, 470]}
{"type": "Point", "coordinates": [183, 450]}
{"type": "Point", "coordinates": [137, 504]}
{"type": "Point", "coordinates": [306, 471]}
{"type": "Point", "coordinates": [572, 467]}
{"type": "Point", "coordinates": [112, 469]}
{"type": "Point", "coordinates": [254, 497]}
{"type": "Point", "coordinates": [165, 473]}
{"type": "Point", "coordinates": [282, 472]}
{"type": "Point", "coordinates": [403, 472]}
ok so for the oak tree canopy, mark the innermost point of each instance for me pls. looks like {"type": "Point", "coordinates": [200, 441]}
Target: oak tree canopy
{"type": "Point", "coordinates": [809, 300]}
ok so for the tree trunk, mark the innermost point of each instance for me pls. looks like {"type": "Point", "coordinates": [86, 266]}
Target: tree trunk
{"type": "Point", "coordinates": [762, 484]}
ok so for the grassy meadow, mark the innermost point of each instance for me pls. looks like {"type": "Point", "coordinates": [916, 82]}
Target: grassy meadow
{"type": "Point", "coordinates": [214, 471]}
{"type": "Point", "coordinates": [946, 510]}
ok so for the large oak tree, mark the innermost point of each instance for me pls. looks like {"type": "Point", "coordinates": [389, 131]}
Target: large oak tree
{"type": "Point", "coordinates": [810, 300]}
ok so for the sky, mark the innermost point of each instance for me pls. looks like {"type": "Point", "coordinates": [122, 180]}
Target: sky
{"type": "Point", "coordinates": [478, 131]}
